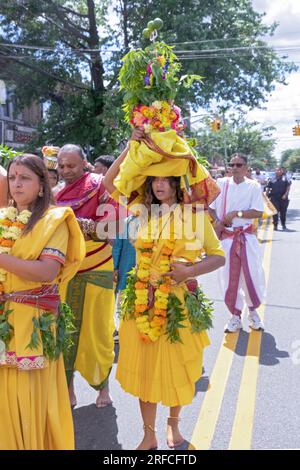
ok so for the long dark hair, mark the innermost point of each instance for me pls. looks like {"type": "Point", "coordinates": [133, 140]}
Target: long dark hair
{"type": "Point", "coordinates": [150, 198]}
{"type": "Point", "coordinates": [42, 203]}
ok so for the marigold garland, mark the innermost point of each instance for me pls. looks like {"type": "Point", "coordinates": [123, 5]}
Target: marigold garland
{"type": "Point", "coordinates": [152, 328]}
{"type": "Point", "coordinates": [11, 225]}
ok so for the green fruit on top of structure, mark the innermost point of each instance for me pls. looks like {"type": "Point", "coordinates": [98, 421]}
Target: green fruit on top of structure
{"type": "Point", "coordinates": [158, 23]}
{"type": "Point", "coordinates": [146, 33]}
{"type": "Point", "coordinates": [150, 26]}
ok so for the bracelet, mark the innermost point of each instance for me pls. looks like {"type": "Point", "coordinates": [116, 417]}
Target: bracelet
{"type": "Point", "coordinates": [88, 226]}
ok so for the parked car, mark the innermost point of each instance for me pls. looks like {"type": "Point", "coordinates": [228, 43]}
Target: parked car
{"type": "Point", "coordinates": [296, 176]}
{"type": "Point", "coordinates": [269, 175]}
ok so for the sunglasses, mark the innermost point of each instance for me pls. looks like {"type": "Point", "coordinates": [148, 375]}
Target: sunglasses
{"type": "Point", "coordinates": [238, 165]}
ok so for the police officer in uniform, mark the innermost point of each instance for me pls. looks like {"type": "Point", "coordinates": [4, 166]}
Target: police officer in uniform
{"type": "Point", "coordinates": [278, 189]}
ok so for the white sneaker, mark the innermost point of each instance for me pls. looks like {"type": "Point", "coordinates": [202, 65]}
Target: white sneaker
{"type": "Point", "coordinates": [233, 325]}
{"type": "Point", "coordinates": [255, 321]}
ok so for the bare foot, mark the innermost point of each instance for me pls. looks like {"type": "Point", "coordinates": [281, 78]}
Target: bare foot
{"type": "Point", "coordinates": [104, 398]}
{"type": "Point", "coordinates": [174, 437]}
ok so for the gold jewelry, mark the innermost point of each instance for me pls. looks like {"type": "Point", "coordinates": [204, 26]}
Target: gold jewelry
{"type": "Point", "coordinates": [175, 417]}
{"type": "Point", "coordinates": [151, 428]}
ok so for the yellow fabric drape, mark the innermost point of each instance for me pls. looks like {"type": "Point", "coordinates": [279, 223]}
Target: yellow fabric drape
{"type": "Point", "coordinates": [34, 404]}
{"type": "Point", "coordinates": [141, 162]}
{"type": "Point", "coordinates": [95, 354]}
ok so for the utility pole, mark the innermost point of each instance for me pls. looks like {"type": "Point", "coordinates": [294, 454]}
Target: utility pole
{"type": "Point", "coordinates": [225, 143]}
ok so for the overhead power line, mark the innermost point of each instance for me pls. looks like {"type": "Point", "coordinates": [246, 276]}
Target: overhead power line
{"type": "Point", "coordinates": [187, 51]}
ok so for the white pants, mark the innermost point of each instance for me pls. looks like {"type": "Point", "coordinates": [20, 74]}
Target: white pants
{"type": "Point", "coordinates": [254, 256]}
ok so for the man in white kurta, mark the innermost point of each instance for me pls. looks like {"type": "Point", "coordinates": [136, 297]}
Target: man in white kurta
{"type": "Point", "coordinates": [242, 277]}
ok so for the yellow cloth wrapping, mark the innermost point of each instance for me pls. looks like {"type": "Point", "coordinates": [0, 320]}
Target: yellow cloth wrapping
{"type": "Point", "coordinates": [141, 162]}
{"type": "Point", "coordinates": [91, 292]}
{"type": "Point", "coordinates": [163, 371]}
{"type": "Point", "coordinates": [34, 401]}
{"type": "Point", "coordinates": [269, 208]}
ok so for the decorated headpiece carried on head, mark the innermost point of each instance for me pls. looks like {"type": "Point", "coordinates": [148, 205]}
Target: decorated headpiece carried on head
{"type": "Point", "coordinates": [150, 80]}
{"type": "Point", "coordinates": [50, 156]}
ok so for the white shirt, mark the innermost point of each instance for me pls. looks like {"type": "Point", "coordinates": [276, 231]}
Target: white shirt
{"type": "Point", "coordinates": [260, 178]}
{"type": "Point", "coordinates": [240, 197]}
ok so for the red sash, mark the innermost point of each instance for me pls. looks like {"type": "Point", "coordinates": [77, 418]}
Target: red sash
{"type": "Point", "coordinates": [238, 260]}
{"type": "Point", "coordinates": [45, 297]}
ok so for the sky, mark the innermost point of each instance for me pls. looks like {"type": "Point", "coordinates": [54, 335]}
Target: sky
{"type": "Point", "coordinates": [283, 106]}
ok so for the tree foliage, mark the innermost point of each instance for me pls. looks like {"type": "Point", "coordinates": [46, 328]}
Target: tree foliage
{"type": "Point", "coordinates": [77, 57]}
{"type": "Point", "coordinates": [290, 159]}
{"type": "Point", "coordinates": [237, 135]}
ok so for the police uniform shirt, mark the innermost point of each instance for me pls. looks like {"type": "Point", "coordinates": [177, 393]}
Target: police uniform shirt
{"type": "Point", "coordinates": [278, 186]}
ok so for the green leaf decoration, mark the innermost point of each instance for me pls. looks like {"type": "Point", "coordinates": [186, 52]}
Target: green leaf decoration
{"type": "Point", "coordinates": [165, 80]}
{"type": "Point", "coordinates": [6, 329]}
{"type": "Point", "coordinates": [199, 309]}
{"type": "Point", "coordinates": [175, 315]}
{"type": "Point", "coordinates": [128, 297]}
{"type": "Point", "coordinates": [54, 332]}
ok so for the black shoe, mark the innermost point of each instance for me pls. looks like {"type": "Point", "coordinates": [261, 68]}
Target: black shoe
{"type": "Point", "coordinates": [284, 227]}
{"type": "Point", "coordinates": [275, 227]}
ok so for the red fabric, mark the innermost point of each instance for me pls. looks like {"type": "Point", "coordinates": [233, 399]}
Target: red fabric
{"type": "Point", "coordinates": [239, 261]}
{"type": "Point", "coordinates": [45, 297]}
{"type": "Point", "coordinates": [86, 196]}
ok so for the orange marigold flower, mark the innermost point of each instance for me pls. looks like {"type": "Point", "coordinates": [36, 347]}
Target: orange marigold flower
{"type": "Point", "coordinates": [145, 338]}
{"type": "Point", "coordinates": [7, 243]}
{"type": "Point", "coordinates": [165, 288]}
{"type": "Point", "coordinates": [167, 251]}
{"type": "Point", "coordinates": [6, 223]}
{"type": "Point", "coordinates": [161, 312]}
{"type": "Point", "coordinates": [148, 254]}
{"type": "Point", "coordinates": [140, 308]}
{"type": "Point", "coordinates": [147, 244]}
{"type": "Point", "coordinates": [158, 321]}
{"type": "Point", "coordinates": [156, 123]}
{"type": "Point", "coordinates": [140, 285]}
{"type": "Point", "coordinates": [18, 225]}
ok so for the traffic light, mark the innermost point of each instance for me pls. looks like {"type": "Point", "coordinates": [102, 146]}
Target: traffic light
{"type": "Point", "coordinates": [215, 125]}
{"type": "Point", "coordinates": [296, 130]}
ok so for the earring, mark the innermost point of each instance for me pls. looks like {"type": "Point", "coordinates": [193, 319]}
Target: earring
{"type": "Point", "coordinates": [41, 192]}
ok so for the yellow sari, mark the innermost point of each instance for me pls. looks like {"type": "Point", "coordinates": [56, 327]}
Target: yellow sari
{"type": "Point", "coordinates": [162, 371]}
{"type": "Point", "coordinates": [91, 297]}
{"type": "Point", "coordinates": [34, 402]}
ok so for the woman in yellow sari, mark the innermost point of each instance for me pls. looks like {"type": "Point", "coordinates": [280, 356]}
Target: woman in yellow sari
{"type": "Point", "coordinates": [162, 335]}
{"type": "Point", "coordinates": [41, 249]}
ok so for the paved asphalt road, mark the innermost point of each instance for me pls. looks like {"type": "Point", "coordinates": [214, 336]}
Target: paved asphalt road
{"type": "Point", "coordinates": [248, 395]}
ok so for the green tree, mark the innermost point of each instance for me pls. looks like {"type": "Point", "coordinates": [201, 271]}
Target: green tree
{"type": "Point", "coordinates": [237, 135]}
{"type": "Point", "coordinates": [290, 159]}
{"type": "Point", "coordinates": [285, 156]}
{"type": "Point", "coordinates": [6, 154]}
{"type": "Point", "coordinates": [220, 40]}
{"type": "Point", "coordinates": [62, 64]}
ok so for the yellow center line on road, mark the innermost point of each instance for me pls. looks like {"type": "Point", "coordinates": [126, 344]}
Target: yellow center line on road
{"type": "Point", "coordinates": [212, 402]}
{"type": "Point", "coordinates": [242, 429]}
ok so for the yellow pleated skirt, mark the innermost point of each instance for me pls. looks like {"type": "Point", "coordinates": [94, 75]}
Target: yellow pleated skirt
{"type": "Point", "coordinates": [160, 372]}
{"type": "Point", "coordinates": [35, 410]}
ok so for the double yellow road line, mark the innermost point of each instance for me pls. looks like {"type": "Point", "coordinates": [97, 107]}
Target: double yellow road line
{"type": "Point", "coordinates": [241, 435]}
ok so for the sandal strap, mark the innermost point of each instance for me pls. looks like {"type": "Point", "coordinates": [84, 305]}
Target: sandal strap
{"type": "Point", "coordinates": [151, 428]}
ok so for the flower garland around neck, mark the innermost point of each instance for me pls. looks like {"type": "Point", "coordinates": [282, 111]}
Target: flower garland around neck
{"type": "Point", "coordinates": [12, 224]}
{"type": "Point", "coordinates": [151, 329]}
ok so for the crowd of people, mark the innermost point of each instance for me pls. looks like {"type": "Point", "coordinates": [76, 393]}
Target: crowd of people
{"type": "Point", "coordinates": [56, 247]}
